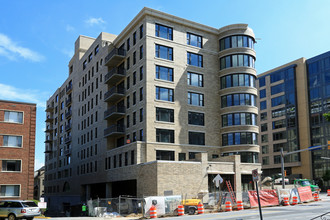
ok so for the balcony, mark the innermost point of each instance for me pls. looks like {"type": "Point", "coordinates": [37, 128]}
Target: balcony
{"type": "Point", "coordinates": [114, 76]}
{"type": "Point", "coordinates": [49, 108]}
{"type": "Point", "coordinates": [68, 114]}
{"type": "Point", "coordinates": [68, 88]}
{"type": "Point", "coordinates": [49, 128]}
{"type": "Point", "coordinates": [114, 94]}
{"type": "Point", "coordinates": [115, 57]}
{"type": "Point", "coordinates": [68, 101]}
{"type": "Point", "coordinates": [114, 130]}
{"type": "Point", "coordinates": [67, 152]}
{"type": "Point", "coordinates": [49, 118]}
{"type": "Point", "coordinates": [114, 112]}
{"type": "Point", "coordinates": [68, 127]}
{"type": "Point", "coordinates": [68, 139]}
{"type": "Point", "coordinates": [48, 149]}
{"type": "Point", "coordinates": [49, 139]}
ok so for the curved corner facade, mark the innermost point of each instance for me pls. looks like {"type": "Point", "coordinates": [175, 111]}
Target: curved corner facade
{"type": "Point", "coordinates": [238, 92]}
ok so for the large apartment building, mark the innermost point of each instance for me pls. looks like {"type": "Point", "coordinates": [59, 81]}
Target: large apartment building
{"type": "Point", "coordinates": [159, 109]}
{"type": "Point", "coordinates": [17, 149]}
{"type": "Point", "coordinates": [292, 100]}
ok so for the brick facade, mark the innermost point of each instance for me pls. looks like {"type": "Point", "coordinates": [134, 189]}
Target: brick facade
{"type": "Point", "coordinates": [25, 154]}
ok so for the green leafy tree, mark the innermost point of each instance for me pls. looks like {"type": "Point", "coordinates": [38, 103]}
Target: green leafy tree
{"type": "Point", "coordinates": [327, 116]}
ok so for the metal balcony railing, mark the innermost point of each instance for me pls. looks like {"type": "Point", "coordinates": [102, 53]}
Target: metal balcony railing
{"type": "Point", "coordinates": [68, 114]}
{"type": "Point", "coordinates": [68, 88]}
{"type": "Point", "coordinates": [114, 94]}
{"type": "Point", "coordinates": [114, 75]}
{"type": "Point", "coordinates": [115, 56]}
{"type": "Point", "coordinates": [114, 130]}
{"type": "Point", "coordinates": [114, 112]}
{"type": "Point", "coordinates": [68, 101]}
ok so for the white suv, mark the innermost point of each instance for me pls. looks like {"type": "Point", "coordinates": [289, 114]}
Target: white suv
{"type": "Point", "coordinates": [14, 209]}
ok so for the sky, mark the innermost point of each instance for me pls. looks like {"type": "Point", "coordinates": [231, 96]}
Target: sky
{"type": "Point", "coordinates": [37, 37]}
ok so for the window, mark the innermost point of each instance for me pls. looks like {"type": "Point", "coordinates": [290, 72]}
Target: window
{"type": "Point", "coordinates": [263, 105]}
{"type": "Point", "coordinates": [263, 127]}
{"type": "Point", "coordinates": [134, 98]}
{"type": "Point", "coordinates": [141, 52]}
{"type": "Point", "coordinates": [264, 138]}
{"type": "Point", "coordinates": [15, 117]}
{"type": "Point", "coordinates": [96, 50]}
{"type": "Point", "coordinates": [234, 80]}
{"type": "Point", "coordinates": [164, 114]}
{"type": "Point", "coordinates": [195, 79]}
{"type": "Point", "coordinates": [265, 160]}
{"type": "Point", "coordinates": [277, 159]}
{"type": "Point", "coordinates": [12, 141]}
{"type": "Point", "coordinates": [238, 99]}
{"type": "Point", "coordinates": [134, 78]}
{"type": "Point", "coordinates": [141, 31]}
{"type": "Point", "coordinates": [262, 81]}
{"type": "Point", "coordinates": [164, 135]}
{"type": "Point", "coordinates": [141, 135]}
{"type": "Point", "coordinates": [194, 59]}
{"type": "Point", "coordinates": [262, 93]}
{"type": "Point", "coordinates": [164, 94]}
{"type": "Point", "coordinates": [239, 138]}
{"type": "Point", "coordinates": [277, 89]}
{"type": "Point", "coordinates": [128, 44]}
{"type": "Point", "coordinates": [141, 94]}
{"type": "Point", "coordinates": [196, 118]}
{"type": "Point", "coordinates": [239, 119]}
{"type": "Point", "coordinates": [265, 149]}
{"type": "Point", "coordinates": [127, 102]}
{"type": "Point", "coordinates": [141, 114]}
{"type": "Point", "coordinates": [164, 52]}
{"type": "Point", "coordinates": [196, 99]}
{"type": "Point", "coordinates": [164, 31]}
{"type": "Point", "coordinates": [182, 156]}
{"type": "Point", "coordinates": [134, 118]}
{"type": "Point", "coordinates": [263, 116]}
{"type": "Point", "coordinates": [196, 138]}
{"type": "Point", "coordinates": [278, 112]}
{"type": "Point", "coordinates": [194, 40]}
{"type": "Point", "coordinates": [279, 124]}
{"type": "Point", "coordinates": [134, 38]}
{"type": "Point", "coordinates": [11, 165]}
{"type": "Point", "coordinates": [237, 60]}
{"type": "Point", "coordinates": [127, 63]}
{"type": "Point", "coordinates": [84, 64]}
{"type": "Point", "coordinates": [134, 57]}
{"type": "Point", "coordinates": [128, 83]}
{"type": "Point", "coordinates": [141, 73]}
{"type": "Point", "coordinates": [127, 121]}
{"type": "Point", "coordinates": [9, 190]}
{"type": "Point", "coordinates": [236, 41]}
{"type": "Point", "coordinates": [164, 73]}
{"type": "Point", "coordinates": [164, 155]}
{"type": "Point", "coordinates": [90, 57]}
{"type": "Point", "coordinates": [279, 135]}
{"type": "Point", "coordinates": [277, 76]}
{"type": "Point", "coordinates": [278, 101]}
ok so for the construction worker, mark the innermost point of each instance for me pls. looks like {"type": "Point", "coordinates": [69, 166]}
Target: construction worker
{"type": "Point", "coordinates": [84, 209]}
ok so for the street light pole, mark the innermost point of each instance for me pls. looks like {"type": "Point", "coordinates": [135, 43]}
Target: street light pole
{"type": "Point", "coordinates": [282, 168]}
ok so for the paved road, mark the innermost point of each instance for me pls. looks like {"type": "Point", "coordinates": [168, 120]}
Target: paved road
{"type": "Point", "coordinates": [304, 211]}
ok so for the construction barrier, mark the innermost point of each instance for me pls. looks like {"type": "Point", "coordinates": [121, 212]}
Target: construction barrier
{"type": "Point", "coordinates": [240, 205]}
{"type": "Point", "coordinates": [294, 200]}
{"type": "Point", "coordinates": [180, 210]}
{"type": "Point", "coordinates": [286, 201]}
{"type": "Point", "coordinates": [153, 212]}
{"type": "Point", "coordinates": [228, 207]}
{"type": "Point", "coordinates": [328, 191]}
{"type": "Point", "coordinates": [200, 209]}
{"type": "Point", "coordinates": [316, 197]}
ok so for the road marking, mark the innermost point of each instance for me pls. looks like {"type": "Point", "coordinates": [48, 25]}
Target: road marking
{"type": "Point", "coordinates": [238, 215]}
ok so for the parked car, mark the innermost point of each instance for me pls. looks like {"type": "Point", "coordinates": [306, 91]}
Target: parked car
{"type": "Point", "coordinates": [18, 209]}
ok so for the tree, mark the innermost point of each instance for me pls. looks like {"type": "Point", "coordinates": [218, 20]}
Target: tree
{"type": "Point", "coordinates": [327, 116]}
{"type": "Point", "coordinates": [326, 176]}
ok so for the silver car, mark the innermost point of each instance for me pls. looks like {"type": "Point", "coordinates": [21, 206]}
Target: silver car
{"type": "Point", "coordinates": [14, 209]}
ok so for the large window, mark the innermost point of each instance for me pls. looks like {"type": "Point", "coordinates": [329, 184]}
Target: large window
{"type": "Point", "coordinates": [237, 60]}
{"type": "Point", "coordinates": [164, 31]}
{"type": "Point", "coordinates": [9, 190]}
{"type": "Point", "coordinates": [262, 93]}
{"type": "Point", "coordinates": [15, 117]}
{"type": "Point", "coordinates": [277, 89]}
{"type": "Point", "coordinates": [279, 135]}
{"type": "Point", "coordinates": [279, 124]}
{"type": "Point", "coordinates": [164, 52]}
{"type": "Point", "coordinates": [196, 138]}
{"type": "Point", "coordinates": [239, 138]}
{"type": "Point", "coordinates": [234, 80]}
{"type": "Point", "coordinates": [164, 73]}
{"type": "Point", "coordinates": [164, 155]}
{"type": "Point", "coordinates": [11, 165]}
{"type": "Point", "coordinates": [12, 141]}
{"type": "Point", "coordinates": [165, 135]}
{"type": "Point", "coordinates": [278, 112]}
{"type": "Point", "coordinates": [238, 99]}
{"type": "Point", "coordinates": [194, 59]}
{"type": "Point", "coordinates": [262, 81]}
{"type": "Point", "coordinates": [278, 101]}
{"type": "Point", "coordinates": [164, 94]}
{"type": "Point", "coordinates": [236, 41]}
{"type": "Point", "coordinates": [196, 118]}
{"type": "Point", "coordinates": [164, 114]}
{"type": "Point", "coordinates": [194, 40]}
{"type": "Point", "coordinates": [239, 119]}
{"type": "Point", "coordinates": [195, 79]}
{"type": "Point", "coordinates": [196, 99]}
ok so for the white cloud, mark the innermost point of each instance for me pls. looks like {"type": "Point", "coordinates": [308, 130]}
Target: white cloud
{"type": "Point", "coordinates": [95, 21]}
{"type": "Point", "coordinates": [11, 50]}
{"type": "Point", "coordinates": [69, 28]}
{"type": "Point", "coordinates": [8, 92]}
{"type": "Point", "coordinates": [38, 164]}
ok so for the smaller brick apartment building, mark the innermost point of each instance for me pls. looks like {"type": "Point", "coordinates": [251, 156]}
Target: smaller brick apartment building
{"type": "Point", "coordinates": [17, 149]}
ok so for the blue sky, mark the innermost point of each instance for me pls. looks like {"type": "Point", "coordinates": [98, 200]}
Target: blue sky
{"type": "Point", "coordinates": [37, 37]}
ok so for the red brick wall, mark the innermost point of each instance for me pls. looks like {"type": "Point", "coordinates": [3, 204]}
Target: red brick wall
{"type": "Point", "coordinates": [25, 178]}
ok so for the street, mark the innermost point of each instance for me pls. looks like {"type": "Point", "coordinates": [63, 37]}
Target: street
{"type": "Point", "coordinates": [298, 212]}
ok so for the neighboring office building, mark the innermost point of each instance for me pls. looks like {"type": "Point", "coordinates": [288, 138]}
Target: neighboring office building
{"type": "Point", "coordinates": [17, 147]}
{"type": "Point", "coordinates": [39, 177]}
{"type": "Point", "coordinates": [143, 113]}
{"type": "Point", "coordinates": [292, 99]}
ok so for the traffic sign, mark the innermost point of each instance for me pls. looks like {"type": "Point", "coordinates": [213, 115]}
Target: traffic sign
{"type": "Point", "coordinates": [255, 175]}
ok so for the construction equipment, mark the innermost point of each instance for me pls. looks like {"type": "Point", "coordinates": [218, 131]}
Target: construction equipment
{"type": "Point", "coordinates": [191, 205]}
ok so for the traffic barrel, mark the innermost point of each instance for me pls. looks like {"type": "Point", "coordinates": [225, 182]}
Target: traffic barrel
{"type": "Point", "coordinates": [286, 201]}
{"type": "Point", "coordinates": [228, 207]}
{"type": "Point", "coordinates": [316, 197]}
{"type": "Point", "coordinates": [294, 200]}
{"type": "Point", "coordinates": [240, 205]}
{"type": "Point", "coordinates": [328, 191]}
{"type": "Point", "coordinates": [200, 209]}
{"type": "Point", "coordinates": [180, 210]}
{"type": "Point", "coordinates": [153, 212]}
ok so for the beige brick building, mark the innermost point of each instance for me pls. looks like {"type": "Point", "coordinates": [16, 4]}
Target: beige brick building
{"type": "Point", "coordinates": [152, 112]}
